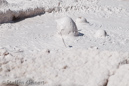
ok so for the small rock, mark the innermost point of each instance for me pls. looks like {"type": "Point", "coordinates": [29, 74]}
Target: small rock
{"type": "Point", "coordinates": [3, 52]}
{"type": "Point", "coordinates": [47, 51]}
{"type": "Point", "coordinates": [65, 67]}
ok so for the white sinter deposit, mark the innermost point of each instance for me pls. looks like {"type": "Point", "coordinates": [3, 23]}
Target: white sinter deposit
{"type": "Point", "coordinates": [120, 78]}
{"type": "Point", "coordinates": [96, 51]}
{"type": "Point", "coordinates": [67, 27]}
{"type": "Point", "coordinates": [81, 20]}
{"type": "Point", "coordinates": [100, 34]}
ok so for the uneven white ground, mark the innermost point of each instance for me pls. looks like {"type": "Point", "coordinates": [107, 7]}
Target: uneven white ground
{"type": "Point", "coordinates": [30, 49]}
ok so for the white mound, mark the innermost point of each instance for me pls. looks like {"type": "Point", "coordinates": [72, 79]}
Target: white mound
{"type": "Point", "coordinates": [81, 20]}
{"type": "Point", "coordinates": [67, 27]}
{"type": "Point", "coordinates": [100, 34]}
